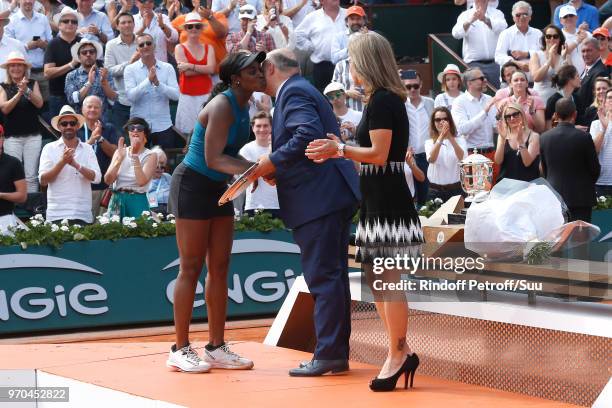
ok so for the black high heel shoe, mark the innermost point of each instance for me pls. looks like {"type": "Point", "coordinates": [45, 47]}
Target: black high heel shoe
{"type": "Point", "coordinates": [408, 369]}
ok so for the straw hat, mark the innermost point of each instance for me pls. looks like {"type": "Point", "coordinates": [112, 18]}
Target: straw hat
{"type": "Point", "coordinates": [74, 50]}
{"type": "Point", "coordinates": [449, 69]}
{"type": "Point", "coordinates": [191, 18]}
{"type": "Point", "coordinates": [15, 57]}
{"type": "Point", "coordinates": [64, 112]}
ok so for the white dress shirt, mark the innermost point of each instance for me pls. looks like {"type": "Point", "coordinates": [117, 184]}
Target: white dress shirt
{"type": "Point", "coordinates": [150, 102]}
{"type": "Point", "coordinates": [445, 170]}
{"type": "Point", "coordinates": [69, 195]}
{"type": "Point", "coordinates": [316, 34]}
{"type": "Point", "coordinates": [116, 58]}
{"type": "Point", "coordinates": [472, 121]}
{"type": "Point", "coordinates": [299, 16]}
{"type": "Point", "coordinates": [233, 22]}
{"type": "Point", "coordinates": [159, 37]}
{"type": "Point", "coordinates": [512, 39]}
{"type": "Point", "coordinates": [340, 45]}
{"type": "Point", "coordinates": [23, 29]}
{"type": "Point", "coordinates": [480, 40]}
{"type": "Point", "coordinates": [8, 45]}
{"type": "Point", "coordinates": [418, 122]}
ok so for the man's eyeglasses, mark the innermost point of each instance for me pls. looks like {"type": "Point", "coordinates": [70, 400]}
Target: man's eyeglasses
{"type": "Point", "coordinates": [193, 26]}
{"type": "Point", "coordinates": [438, 120]}
{"type": "Point", "coordinates": [520, 15]}
{"type": "Point", "coordinates": [413, 86]}
{"type": "Point", "coordinates": [601, 37]}
{"type": "Point", "coordinates": [145, 44]}
{"type": "Point", "coordinates": [66, 123]}
{"type": "Point", "coordinates": [552, 36]}
{"type": "Point", "coordinates": [513, 115]}
{"type": "Point", "coordinates": [334, 95]}
{"type": "Point", "coordinates": [91, 51]}
{"type": "Point", "coordinates": [136, 128]}
{"type": "Point", "coordinates": [480, 78]}
{"type": "Point", "coordinates": [70, 21]}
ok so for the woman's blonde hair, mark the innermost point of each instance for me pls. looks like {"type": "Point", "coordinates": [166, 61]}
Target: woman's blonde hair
{"type": "Point", "coordinates": [373, 60]}
{"type": "Point", "coordinates": [517, 107]}
{"type": "Point", "coordinates": [26, 74]}
{"type": "Point", "coordinates": [599, 79]}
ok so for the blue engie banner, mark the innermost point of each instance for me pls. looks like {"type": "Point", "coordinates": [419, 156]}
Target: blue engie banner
{"type": "Point", "coordinates": [131, 281]}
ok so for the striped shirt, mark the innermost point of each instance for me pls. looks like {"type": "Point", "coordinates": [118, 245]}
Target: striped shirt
{"type": "Point", "coordinates": [605, 154]}
{"type": "Point", "coordinates": [342, 75]}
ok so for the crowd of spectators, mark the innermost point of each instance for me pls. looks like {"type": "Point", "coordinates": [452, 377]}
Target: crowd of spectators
{"type": "Point", "coordinates": [123, 81]}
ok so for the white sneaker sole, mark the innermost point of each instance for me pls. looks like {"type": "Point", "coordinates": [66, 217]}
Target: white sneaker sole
{"type": "Point", "coordinates": [229, 366]}
{"type": "Point", "coordinates": [173, 367]}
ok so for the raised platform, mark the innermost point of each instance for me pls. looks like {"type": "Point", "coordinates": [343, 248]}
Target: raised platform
{"type": "Point", "coordinates": [134, 375]}
{"type": "Point", "coordinates": [556, 350]}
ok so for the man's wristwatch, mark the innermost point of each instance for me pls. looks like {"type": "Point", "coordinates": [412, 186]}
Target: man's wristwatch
{"type": "Point", "coordinates": [341, 149]}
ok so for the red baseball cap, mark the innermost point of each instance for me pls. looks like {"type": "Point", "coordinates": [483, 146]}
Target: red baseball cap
{"type": "Point", "coordinates": [602, 31]}
{"type": "Point", "coordinates": [355, 10]}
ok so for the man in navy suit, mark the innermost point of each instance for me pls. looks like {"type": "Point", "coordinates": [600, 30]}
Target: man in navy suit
{"type": "Point", "coordinates": [317, 202]}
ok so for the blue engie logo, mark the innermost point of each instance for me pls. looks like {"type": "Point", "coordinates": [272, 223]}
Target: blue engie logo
{"type": "Point", "coordinates": [40, 302]}
{"type": "Point", "coordinates": [265, 292]}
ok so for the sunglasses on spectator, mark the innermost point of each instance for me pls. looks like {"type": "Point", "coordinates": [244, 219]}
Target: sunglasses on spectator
{"type": "Point", "coordinates": [136, 128]}
{"type": "Point", "coordinates": [335, 95]}
{"type": "Point", "coordinates": [145, 44]}
{"type": "Point", "coordinates": [519, 15]}
{"type": "Point", "coordinates": [193, 26]}
{"type": "Point", "coordinates": [438, 120]}
{"type": "Point", "coordinates": [513, 115]}
{"type": "Point", "coordinates": [91, 51]}
{"type": "Point", "coordinates": [68, 21]}
{"type": "Point", "coordinates": [413, 86]}
{"type": "Point", "coordinates": [66, 123]}
{"type": "Point", "coordinates": [480, 78]}
{"type": "Point", "coordinates": [552, 36]}
{"type": "Point", "coordinates": [601, 37]}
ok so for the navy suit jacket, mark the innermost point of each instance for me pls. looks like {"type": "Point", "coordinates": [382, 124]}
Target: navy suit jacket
{"type": "Point", "coordinates": [307, 190]}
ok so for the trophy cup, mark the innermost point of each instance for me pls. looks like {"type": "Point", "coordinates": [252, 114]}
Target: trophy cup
{"type": "Point", "coordinates": [476, 174]}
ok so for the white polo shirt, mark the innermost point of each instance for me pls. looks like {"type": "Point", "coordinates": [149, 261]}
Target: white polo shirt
{"type": "Point", "coordinates": [69, 195]}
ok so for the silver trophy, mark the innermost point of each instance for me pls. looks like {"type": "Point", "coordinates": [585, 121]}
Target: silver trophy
{"type": "Point", "coordinates": [476, 174]}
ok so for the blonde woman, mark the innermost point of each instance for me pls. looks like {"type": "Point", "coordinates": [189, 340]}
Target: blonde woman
{"type": "Point", "coordinates": [518, 147]}
{"type": "Point", "coordinates": [20, 102]}
{"type": "Point", "coordinates": [388, 224]}
{"type": "Point", "coordinates": [592, 113]}
{"type": "Point", "coordinates": [533, 106]}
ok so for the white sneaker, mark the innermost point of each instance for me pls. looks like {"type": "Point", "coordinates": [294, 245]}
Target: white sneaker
{"type": "Point", "coordinates": [223, 357]}
{"type": "Point", "coordinates": [187, 360]}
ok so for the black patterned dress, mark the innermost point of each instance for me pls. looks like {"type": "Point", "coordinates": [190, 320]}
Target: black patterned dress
{"type": "Point", "coordinates": [388, 222]}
